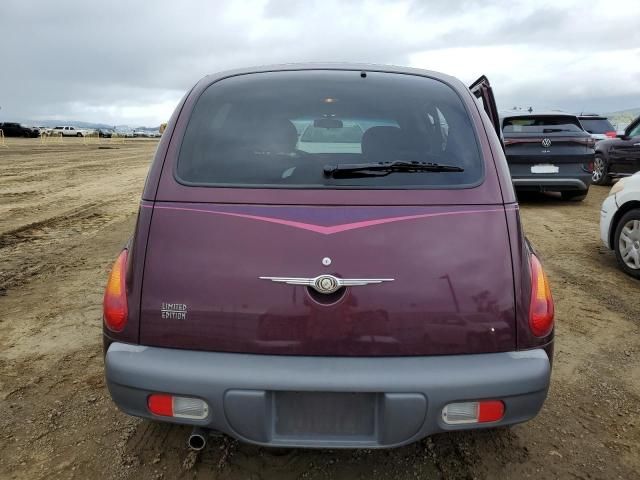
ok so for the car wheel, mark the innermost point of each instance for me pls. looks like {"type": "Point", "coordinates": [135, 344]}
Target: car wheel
{"type": "Point", "coordinates": [600, 175]}
{"type": "Point", "coordinates": [575, 195]}
{"type": "Point", "coordinates": [626, 243]}
{"type": "Point", "coordinates": [78, 134]}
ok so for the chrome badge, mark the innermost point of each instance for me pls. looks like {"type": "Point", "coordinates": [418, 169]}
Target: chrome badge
{"type": "Point", "coordinates": [327, 283]}
{"type": "Point", "coordinates": [546, 142]}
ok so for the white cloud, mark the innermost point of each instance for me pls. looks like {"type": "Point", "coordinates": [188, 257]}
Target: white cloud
{"type": "Point", "coordinates": [131, 61]}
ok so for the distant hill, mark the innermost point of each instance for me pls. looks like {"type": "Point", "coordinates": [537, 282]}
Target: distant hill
{"type": "Point", "coordinates": [622, 118]}
{"type": "Point", "coordinates": [90, 125]}
{"type": "Point", "coordinates": [74, 123]}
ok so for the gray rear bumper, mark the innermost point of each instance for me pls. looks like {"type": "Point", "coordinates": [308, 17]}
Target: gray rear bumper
{"type": "Point", "coordinates": [571, 176]}
{"type": "Point", "coordinates": [249, 394]}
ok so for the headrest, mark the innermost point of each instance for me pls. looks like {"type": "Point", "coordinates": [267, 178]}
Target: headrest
{"type": "Point", "coordinates": [382, 143]}
{"type": "Point", "coordinates": [275, 136]}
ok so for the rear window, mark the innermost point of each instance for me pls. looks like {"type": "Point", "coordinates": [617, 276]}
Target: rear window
{"type": "Point", "coordinates": [280, 129]}
{"type": "Point", "coordinates": [541, 124]}
{"type": "Point", "coordinates": [597, 125]}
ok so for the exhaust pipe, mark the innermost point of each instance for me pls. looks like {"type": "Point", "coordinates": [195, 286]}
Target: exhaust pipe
{"type": "Point", "coordinates": [198, 438]}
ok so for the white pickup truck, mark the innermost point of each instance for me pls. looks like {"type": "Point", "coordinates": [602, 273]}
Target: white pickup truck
{"type": "Point", "coordinates": [67, 131]}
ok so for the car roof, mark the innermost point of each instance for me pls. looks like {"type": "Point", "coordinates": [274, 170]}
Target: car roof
{"type": "Point", "coordinates": [337, 66]}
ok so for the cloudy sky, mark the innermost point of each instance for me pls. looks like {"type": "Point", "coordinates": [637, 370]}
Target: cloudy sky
{"type": "Point", "coordinates": [130, 62]}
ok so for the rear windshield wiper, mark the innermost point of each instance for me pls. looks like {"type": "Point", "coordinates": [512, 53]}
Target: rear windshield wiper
{"type": "Point", "coordinates": [385, 168]}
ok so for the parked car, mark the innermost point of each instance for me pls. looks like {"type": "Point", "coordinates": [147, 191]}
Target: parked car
{"type": "Point", "coordinates": [105, 132]}
{"type": "Point", "coordinates": [619, 157]}
{"type": "Point", "coordinates": [331, 136]}
{"type": "Point", "coordinates": [140, 133]}
{"type": "Point", "coordinates": [124, 133]}
{"type": "Point", "coordinates": [548, 151]}
{"type": "Point", "coordinates": [12, 129]}
{"type": "Point", "coordinates": [312, 299]}
{"type": "Point", "coordinates": [620, 223]}
{"type": "Point", "coordinates": [68, 131]}
{"type": "Point", "coordinates": [597, 126]}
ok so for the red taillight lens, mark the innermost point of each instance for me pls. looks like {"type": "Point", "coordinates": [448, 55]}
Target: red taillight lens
{"type": "Point", "coordinates": [590, 167]}
{"type": "Point", "coordinates": [490, 411]}
{"type": "Point", "coordinates": [541, 308]}
{"type": "Point", "coordinates": [611, 134]}
{"type": "Point", "coordinates": [114, 304]}
{"type": "Point", "coordinates": [160, 404]}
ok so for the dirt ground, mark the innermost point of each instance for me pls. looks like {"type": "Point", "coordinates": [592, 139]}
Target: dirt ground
{"type": "Point", "coordinates": [65, 211]}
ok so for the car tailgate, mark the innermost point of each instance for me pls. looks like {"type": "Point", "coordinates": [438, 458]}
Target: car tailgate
{"type": "Point", "coordinates": [452, 289]}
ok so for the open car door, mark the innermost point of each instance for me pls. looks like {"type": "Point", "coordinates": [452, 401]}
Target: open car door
{"type": "Point", "coordinates": [481, 88]}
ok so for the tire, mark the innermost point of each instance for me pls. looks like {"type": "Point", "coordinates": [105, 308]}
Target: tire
{"type": "Point", "coordinates": [574, 195]}
{"type": "Point", "coordinates": [600, 175]}
{"type": "Point", "coordinates": [626, 240]}
{"type": "Point", "coordinates": [78, 134]}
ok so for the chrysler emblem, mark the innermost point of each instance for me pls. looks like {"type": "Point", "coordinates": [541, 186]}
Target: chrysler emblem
{"type": "Point", "coordinates": [327, 283]}
{"type": "Point", "coordinates": [546, 142]}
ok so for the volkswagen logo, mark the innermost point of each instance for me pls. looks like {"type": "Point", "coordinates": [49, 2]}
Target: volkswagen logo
{"type": "Point", "coordinates": [546, 142]}
{"type": "Point", "coordinates": [326, 284]}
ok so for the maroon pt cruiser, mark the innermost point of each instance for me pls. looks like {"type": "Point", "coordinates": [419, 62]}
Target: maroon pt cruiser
{"type": "Point", "coordinates": [329, 256]}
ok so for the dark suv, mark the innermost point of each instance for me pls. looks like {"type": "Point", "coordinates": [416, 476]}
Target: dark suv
{"type": "Point", "coordinates": [10, 129]}
{"type": "Point", "coordinates": [365, 293]}
{"type": "Point", "coordinates": [548, 151]}
{"type": "Point", "coordinates": [618, 157]}
{"type": "Point", "coordinates": [597, 126]}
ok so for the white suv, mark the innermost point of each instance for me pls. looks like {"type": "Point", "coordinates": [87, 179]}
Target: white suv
{"type": "Point", "coordinates": [620, 223]}
{"type": "Point", "coordinates": [66, 131]}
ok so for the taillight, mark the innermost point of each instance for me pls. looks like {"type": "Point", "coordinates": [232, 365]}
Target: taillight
{"type": "Point", "coordinates": [541, 308]}
{"type": "Point", "coordinates": [165, 405]}
{"type": "Point", "coordinates": [611, 134]}
{"type": "Point", "coordinates": [484, 411]}
{"type": "Point", "coordinates": [589, 167]}
{"type": "Point", "coordinates": [114, 304]}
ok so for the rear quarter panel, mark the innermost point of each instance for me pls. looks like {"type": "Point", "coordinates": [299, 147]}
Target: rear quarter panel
{"type": "Point", "coordinates": [521, 252]}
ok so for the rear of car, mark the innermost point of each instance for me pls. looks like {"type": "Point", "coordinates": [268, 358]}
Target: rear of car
{"type": "Point", "coordinates": [548, 152]}
{"type": "Point", "coordinates": [331, 257]}
{"type": "Point", "coordinates": [599, 127]}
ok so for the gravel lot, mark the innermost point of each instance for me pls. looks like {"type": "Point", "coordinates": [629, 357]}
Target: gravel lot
{"type": "Point", "coordinates": [67, 208]}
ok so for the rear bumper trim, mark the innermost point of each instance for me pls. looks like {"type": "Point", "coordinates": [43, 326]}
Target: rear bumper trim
{"type": "Point", "coordinates": [405, 395]}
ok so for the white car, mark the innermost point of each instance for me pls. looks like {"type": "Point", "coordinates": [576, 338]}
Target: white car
{"type": "Point", "coordinates": [620, 223]}
{"type": "Point", "coordinates": [67, 131]}
{"type": "Point", "coordinates": [328, 135]}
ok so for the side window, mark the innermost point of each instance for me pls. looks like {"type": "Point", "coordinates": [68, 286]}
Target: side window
{"type": "Point", "coordinates": [635, 132]}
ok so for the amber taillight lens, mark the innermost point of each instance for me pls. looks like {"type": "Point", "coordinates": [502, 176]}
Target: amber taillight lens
{"type": "Point", "coordinates": [114, 305]}
{"type": "Point", "coordinates": [541, 310]}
